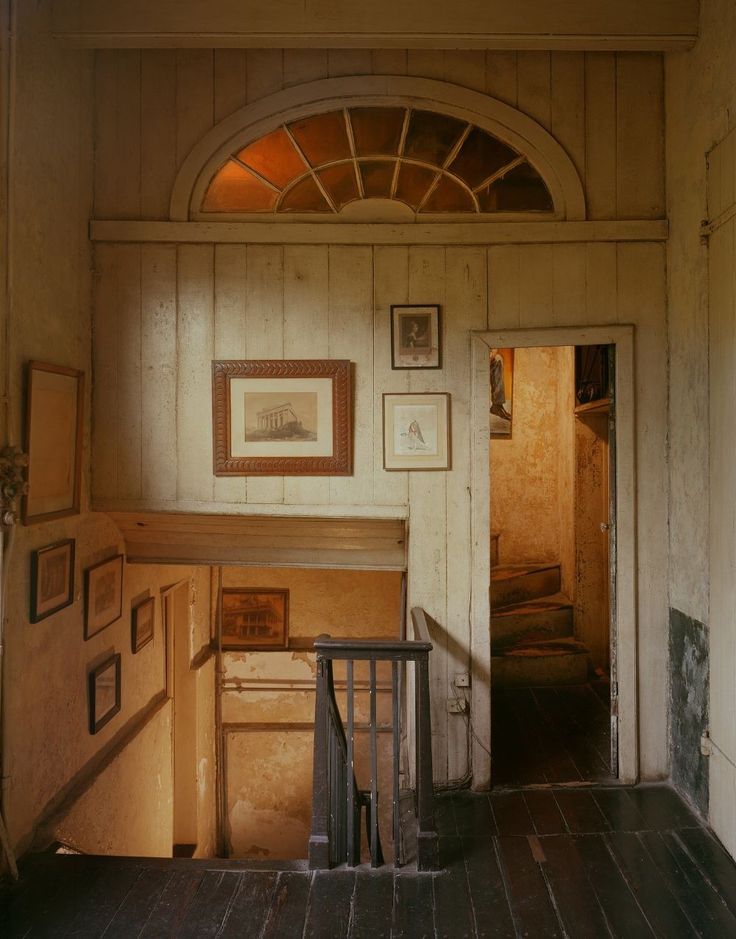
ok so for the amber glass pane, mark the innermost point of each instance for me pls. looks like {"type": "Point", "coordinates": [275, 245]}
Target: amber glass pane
{"type": "Point", "coordinates": [520, 190]}
{"type": "Point", "coordinates": [377, 130]}
{"type": "Point", "coordinates": [480, 157]}
{"type": "Point", "coordinates": [340, 182]}
{"type": "Point", "coordinates": [431, 136]}
{"type": "Point", "coordinates": [274, 157]}
{"type": "Point", "coordinates": [449, 196]}
{"type": "Point", "coordinates": [323, 137]}
{"type": "Point", "coordinates": [413, 183]}
{"type": "Point", "coordinates": [377, 178]}
{"type": "Point", "coordinates": [304, 196]}
{"type": "Point", "coordinates": [234, 189]}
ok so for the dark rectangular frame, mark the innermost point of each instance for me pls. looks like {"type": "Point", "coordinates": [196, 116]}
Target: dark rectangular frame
{"type": "Point", "coordinates": [135, 645]}
{"type": "Point", "coordinates": [36, 559]}
{"type": "Point", "coordinates": [96, 724]}
{"type": "Point", "coordinates": [341, 461]}
{"type": "Point", "coordinates": [87, 576]}
{"type": "Point", "coordinates": [260, 647]}
{"type": "Point", "coordinates": [73, 509]}
{"type": "Point", "coordinates": [416, 306]}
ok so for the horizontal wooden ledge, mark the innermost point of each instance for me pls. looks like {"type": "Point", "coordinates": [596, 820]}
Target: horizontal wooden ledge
{"type": "Point", "coordinates": [499, 42]}
{"type": "Point", "coordinates": [259, 509]}
{"type": "Point", "coordinates": [377, 233]}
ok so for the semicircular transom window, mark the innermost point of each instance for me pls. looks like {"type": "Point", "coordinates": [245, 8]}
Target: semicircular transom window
{"type": "Point", "coordinates": [430, 162]}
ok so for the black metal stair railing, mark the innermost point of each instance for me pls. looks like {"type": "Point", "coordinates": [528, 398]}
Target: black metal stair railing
{"type": "Point", "coordinates": [336, 798]}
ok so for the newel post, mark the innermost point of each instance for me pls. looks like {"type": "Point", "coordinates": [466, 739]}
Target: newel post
{"type": "Point", "coordinates": [319, 839]}
{"type": "Point", "coordinates": [427, 841]}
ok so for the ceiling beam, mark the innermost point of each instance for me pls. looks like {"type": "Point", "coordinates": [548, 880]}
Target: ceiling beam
{"type": "Point", "coordinates": [415, 24]}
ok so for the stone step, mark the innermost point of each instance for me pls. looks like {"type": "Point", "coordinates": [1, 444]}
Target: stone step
{"type": "Point", "coordinates": [519, 583]}
{"type": "Point", "coordinates": [545, 618]}
{"type": "Point", "coordinates": [547, 662]}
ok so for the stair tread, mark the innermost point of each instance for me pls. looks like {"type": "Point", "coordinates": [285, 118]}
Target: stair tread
{"type": "Point", "coordinates": [511, 571]}
{"type": "Point", "coordinates": [538, 648]}
{"type": "Point", "coordinates": [555, 601]}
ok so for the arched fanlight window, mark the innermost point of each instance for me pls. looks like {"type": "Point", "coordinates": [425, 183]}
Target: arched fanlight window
{"type": "Point", "coordinates": [430, 162]}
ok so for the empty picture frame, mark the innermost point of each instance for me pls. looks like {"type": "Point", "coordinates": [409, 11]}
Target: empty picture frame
{"type": "Point", "coordinates": [104, 693]}
{"type": "Point", "coordinates": [254, 618]}
{"type": "Point", "coordinates": [52, 579]}
{"type": "Point", "coordinates": [103, 595]}
{"type": "Point", "coordinates": [55, 406]}
{"type": "Point", "coordinates": [416, 431]}
{"type": "Point", "coordinates": [143, 618]}
{"type": "Point", "coordinates": [282, 417]}
{"type": "Point", "coordinates": [415, 336]}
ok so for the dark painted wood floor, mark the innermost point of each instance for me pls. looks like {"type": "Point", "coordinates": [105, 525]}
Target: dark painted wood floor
{"type": "Point", "coordinates": [577, 862]}
{"type": "Point", "coordinates": [554, 734]}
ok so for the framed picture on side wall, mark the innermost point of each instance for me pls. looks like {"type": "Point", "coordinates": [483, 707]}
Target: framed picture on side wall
{"type": "Point", "coordinates": [54, 414]}
{"type": "Point", "coordinates": [104, 693]}
{"type": "Point", "coordinates": [103, 595]}
{"type": "Point", "coordinates": [143, 618]}
{"type": "Point", "coordinates": [254, 618]}
{"type": "Point", "coordinates": [52, 579]}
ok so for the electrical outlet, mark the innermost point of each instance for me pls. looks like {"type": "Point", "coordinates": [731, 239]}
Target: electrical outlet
{"type": "Point", "coordinates": [462, 680]}
{"type": "Point", "coordinates": [457, 705]}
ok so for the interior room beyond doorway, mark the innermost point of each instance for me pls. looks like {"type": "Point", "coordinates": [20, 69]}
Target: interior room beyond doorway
{"type": "Point", "coordinates": [551, 422]}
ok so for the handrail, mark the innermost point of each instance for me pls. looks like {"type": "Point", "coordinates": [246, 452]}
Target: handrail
{"type": "Point", "coordinates": [336, 799]}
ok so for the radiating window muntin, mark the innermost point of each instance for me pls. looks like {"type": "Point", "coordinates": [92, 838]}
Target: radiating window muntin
{"type": "Point", "coordinates": [434, 163]}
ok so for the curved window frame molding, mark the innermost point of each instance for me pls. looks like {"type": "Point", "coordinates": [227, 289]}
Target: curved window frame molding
{"type": "Point", "coordinates": [509, 125]}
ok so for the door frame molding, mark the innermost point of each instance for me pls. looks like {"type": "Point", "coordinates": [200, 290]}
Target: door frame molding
{"type": "Point", "coordinates": [626, 625]}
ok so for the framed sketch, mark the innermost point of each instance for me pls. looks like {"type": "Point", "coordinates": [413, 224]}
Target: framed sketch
{"type": "Point", "coordinates": [103, 595]}
{"type": "Point", "coordinates": [54, 411]}
{"type": "Point", "coordinates": [254, 618]}
{"type": "Point", "coordinates": [416, 431]}
{"type": "Point", "coordinates": [52, 579]}
{"type": "Point", "coordinates": [104, 693]}
{"type": "Point", "coordinates": [143, 619]}
{"type": "Point", "coordinates": [282, 418]}
{"type": "Point", "coordinates": [502, 388]}
{"type": "Point", "coordinates": [415, 337]}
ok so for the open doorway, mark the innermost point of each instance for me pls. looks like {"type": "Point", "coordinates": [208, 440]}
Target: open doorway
{"type": "Point", "coordinates": [552, 563]}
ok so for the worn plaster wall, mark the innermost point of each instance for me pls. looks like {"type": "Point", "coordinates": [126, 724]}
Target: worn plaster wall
{"type": "Point", "coordinates": [532, 472]}
{"type": "Point", "coordinates": [268, 704]}
{"type": "Point", "coordinates": [701, 111]}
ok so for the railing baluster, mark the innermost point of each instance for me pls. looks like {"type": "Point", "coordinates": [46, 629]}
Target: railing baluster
{"type": "Point", "coordinates": [374, 767]}
{"type": "Point", "coordinates": [353, 857]}
{"type": "Point", "coordinates": [398, 852]}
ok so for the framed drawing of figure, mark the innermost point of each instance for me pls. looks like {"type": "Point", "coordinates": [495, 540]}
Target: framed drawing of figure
{"type": "Point", "coordinates": [502, 391]}
{"type": "Point", "coordinates": [415, 337]}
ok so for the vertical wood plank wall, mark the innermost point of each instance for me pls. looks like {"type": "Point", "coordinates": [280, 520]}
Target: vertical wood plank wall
{"type": "Point", "coordinates": [152, 391]}
{"type": "Point", "coordinates": [163, 312]}
{"type": "Point", "coordinates": [721, 257]}
{"type": "Point", "coordinates": [152, 106]}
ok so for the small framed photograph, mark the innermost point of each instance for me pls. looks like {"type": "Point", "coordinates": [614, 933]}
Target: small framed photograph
{"type": "Point", "coordinates": [54, 412]}
{"type": "Point", "coordinates": [52, 579]}
{"type": "Point", "coordinates": [282, 418]}
{"type": "Point", "coordinates": [254, 618]}
{"type": "Point", "coordinates": [416, 431]}
{"type": "Point", "coordinates": [142, 622]}
{"type": "Point", "coordinates": [104, 693]}
{"type": "Point", "coordinates": [103, 595]}
{"type": "Point", "coordinates": [415, 337]}
{"type": "Point", "coordinates": [502, 392]}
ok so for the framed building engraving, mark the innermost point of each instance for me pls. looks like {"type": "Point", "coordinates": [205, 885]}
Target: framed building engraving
{"type": "Point", "coordinates": [254, 618]}
{"type": "Point", "coordinates": [282, 417]}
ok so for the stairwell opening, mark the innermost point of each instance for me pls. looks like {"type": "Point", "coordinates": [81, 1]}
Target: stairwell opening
{"type": "Point", "coordinates": [552, 550]}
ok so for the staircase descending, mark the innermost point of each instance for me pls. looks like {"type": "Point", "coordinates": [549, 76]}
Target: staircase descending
{"type": "Point", "coordinates": [532, 640]}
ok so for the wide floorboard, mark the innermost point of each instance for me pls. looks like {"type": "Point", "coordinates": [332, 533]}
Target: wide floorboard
{"type": "Point", "coordinates": [578, 862]}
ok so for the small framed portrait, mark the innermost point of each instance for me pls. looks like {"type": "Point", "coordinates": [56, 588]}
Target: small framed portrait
{"type": "Point", "coordinates": [254, 618]}
{"type": "Point", "coordinates": [502, 392]}
{"type": "Point", "coordinates": [104, 693]}
{"type": "Point", "coordinates": [103, 595]}
{"type": "Point", "coordinates": [415, 337]}
{"type": "Point", "coordinates": [52, 579]}
{"type": "Point", "coordinates": [274, 417]}
{"type": "Point", "coordinates": [143, 618]}
{"type": "Point", "coordinates": [54, 426]}
{"type": "Point", "coordinates": [416, 431]}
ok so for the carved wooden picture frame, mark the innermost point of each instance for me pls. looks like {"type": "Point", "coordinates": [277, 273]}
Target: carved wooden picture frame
{"type": "Point", "coordinates": [282, 417]}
